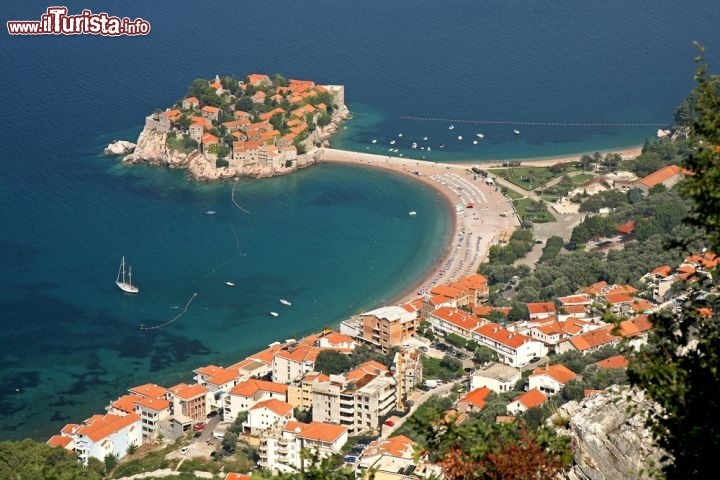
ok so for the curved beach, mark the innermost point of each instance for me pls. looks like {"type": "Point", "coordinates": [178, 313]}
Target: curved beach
{"type": "Point", "coordinates": [474, 229]}
{"type": "Point", "coordinates": [490, 220]}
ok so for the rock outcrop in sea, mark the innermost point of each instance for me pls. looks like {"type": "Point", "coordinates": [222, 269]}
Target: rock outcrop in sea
{"type": "Point", "coordinates": [119, 147]}
{"type": "Point", "coordinates": [262, 149]}
{"type": "Point", "coordinates": [609, 436]}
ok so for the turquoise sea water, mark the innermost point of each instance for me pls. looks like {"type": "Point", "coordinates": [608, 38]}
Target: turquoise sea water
{"type": "Point", "coordinates": [332, 239]}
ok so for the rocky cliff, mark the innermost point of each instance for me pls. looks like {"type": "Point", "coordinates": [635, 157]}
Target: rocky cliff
{"type": "Point", "coordinates": [609, 437]}
{"type": "Point", "coordinates": [152, 149]}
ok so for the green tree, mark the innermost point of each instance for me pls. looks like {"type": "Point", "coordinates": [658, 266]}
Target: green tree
{"type": "Point", "coordinates": [33, 460]}
{"type": "Point", "coordinates": [279, 81]}
{"type": "Point", "coordinates": [110, 462]}
{"type": "Point", "coordinates": [244, 104]}
{"type": "Point", "coordinates": [679, 368]}
{"type": "Point", "coordinates": [483, 450]}
{"type": "Point", "coordinates": [332, 362]}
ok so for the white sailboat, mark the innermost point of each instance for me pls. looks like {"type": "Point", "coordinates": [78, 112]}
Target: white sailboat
{"type": "Point", "coordinates": [127, 287]}
{"type": "Point", "coordinates": [285, 302]}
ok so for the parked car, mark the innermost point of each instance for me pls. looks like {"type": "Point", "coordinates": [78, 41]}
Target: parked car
{"type": "Point", "coordinates": [389, 423]}
{"type": "Point", "coordinates": [184, 450]}
{"type": "Point", "coordinates": [534, 359]}
{"type": "Point", "coordinates": [423, 348]}
{"type": "Point", "coordinates": [212, 414]}
{"type": "Point", "coordinates": [199, 426]}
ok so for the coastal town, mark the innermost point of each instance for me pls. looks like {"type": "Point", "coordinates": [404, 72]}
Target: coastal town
{"type": "Point", "coordinates": [347, 392]}
{"type": "Point", "coordinates": [256, 127]}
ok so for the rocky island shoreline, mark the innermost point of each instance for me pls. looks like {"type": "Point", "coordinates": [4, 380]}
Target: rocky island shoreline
{"type": "Point", "coordinates": [228, 128]}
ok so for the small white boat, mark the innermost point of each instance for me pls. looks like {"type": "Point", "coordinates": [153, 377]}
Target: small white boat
{"type": "Point", "coordinates": [399, 134]}
{"type": "Point", "coordinates": [395, 150]}
{"type": "Point", "coordinates": [459, 137]}
{"type": "Point", "coordinates": [392, 142]}
{"type": "Point", "coordinates": [474, 142]}
{"type": "Point", "coordinates": [451, 127]}
{"type": "Point", "coordinates": [412, 213]}
{"type": "Point", "coordinates": [126, 287]}
{"type": "Point", "coordinates": [516, 131]}
{"type": "Point", "coordinates": [210, 212]}
{"type": "Point", "coordinates": [374, 140]}
{"type": "Point", "coordinates": [442, 145]}
{"type": "Point", "coordinates": [429, 149]}
{"type": "Point", "coordinates": [414, 145]}
{"type": "Point", "coordinates": [480, 135]}
{"type": "Point", "coordinates": [285, 302]}
{"type": "Point", "coordinates": [230, 284]}
{"type": "Point", "coordinates": [274, 314]}
{"type": "Point", "coordinates": [425, 139]}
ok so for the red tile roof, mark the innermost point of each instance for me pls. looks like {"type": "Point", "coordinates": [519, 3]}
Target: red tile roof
{"type": "Point", "coordinates": [397, 446]}
{"type": "Point", "coordinates": [59, 441]}
{"type": "Point", "coordinates": [237, 476]}
{"type": "Point", "coordinates": [616, 298]}
{"type": "Point", "coordinates": [575, 300]}
{"type": "Point", "coordinates": [126, 403]}
{"type": "Point", "coordinates": [662, 271]}
{"type": "Point", "coordinates": [532, 398]}
{"type": "Point", "coordinates": [502, 335]}
{"type": "Point", "coordinates": [626, 228]}
{"type": "Point", "coordinates": [98, 427]}
{"type": "Point", "coordinates": [316, 431]}
{"type": "Point", "coordinates": [188, 392]}
{"type": "Point", "coordinates": [217, 375]}
{"type": "Point", "coordinates": [543, 307]}
{"type": "Point", "coordinates": [595, 288]}
{"type": "Point", "coordinates": [156, 404]}
{"type": "Point", "coordinates": [476, 397]}
{"type": "Point", "coordinates": [250, 387]}
{"type": "Point", "coordinates": [558, 372]}
{"type": "Point", "coordinates": [594, 338]}
{"type": "Point", "coordinates": [617, 361]}
{"type": "Point", "coordinates": [662, 175]}
{"type": "Point", "coordinates": [276, 406]}
{"type": "Point", "coordinates": [149, 390]}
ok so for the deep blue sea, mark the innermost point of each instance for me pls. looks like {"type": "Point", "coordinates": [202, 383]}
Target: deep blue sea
{"type": "Point", "coordinates": [333, 239]}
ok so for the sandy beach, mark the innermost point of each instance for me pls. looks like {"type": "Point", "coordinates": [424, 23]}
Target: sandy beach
{"type": "Point", "coordinates": [475, 229]}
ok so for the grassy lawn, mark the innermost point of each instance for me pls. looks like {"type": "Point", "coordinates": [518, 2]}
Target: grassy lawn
{"type": "Point", "coordinates": [582, 178]}
{"type": "Point", "coordinates": [512, 194]}
{"type": "Point", "coordinates": [521, 207]}
{"type": "Point", "coordinates": [553, 193]}
{"type": "Point", "coordinates": [530, 178]}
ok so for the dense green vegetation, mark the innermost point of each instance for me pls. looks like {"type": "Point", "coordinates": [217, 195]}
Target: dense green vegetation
{"type": "Point", "coordinates": [446, 368]}
{"type": "Point", "coordinates": [532, 211]}
{"type": "Point", "coordinates": [520, 243]}
{"type": "Point", "coordinates": [679, 368]}
{"type": "Point", "coordinates": [659, 213]}
{"type": "Point", "coordinates": [530, 178]}
{"type": "Point", "coordinates": [552, 248]}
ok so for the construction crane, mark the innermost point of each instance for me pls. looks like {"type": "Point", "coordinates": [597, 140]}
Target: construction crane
{"type": "Point", "coordinates": [400, 405]}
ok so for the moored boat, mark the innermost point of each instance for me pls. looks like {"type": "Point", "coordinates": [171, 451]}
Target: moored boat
{"type": "Point", "coordinates": [285, 302]}
{"type": "Point", "coordinates": [126, 287]}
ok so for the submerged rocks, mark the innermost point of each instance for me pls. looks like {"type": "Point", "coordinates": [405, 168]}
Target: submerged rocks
{"type": "Point", "coordinates": [119, 147]}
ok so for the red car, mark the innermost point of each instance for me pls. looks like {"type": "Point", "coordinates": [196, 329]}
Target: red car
{"type": "Point", "coordinates": [389, 423]}
{"type": "Point", "coordinates": [199, 427]}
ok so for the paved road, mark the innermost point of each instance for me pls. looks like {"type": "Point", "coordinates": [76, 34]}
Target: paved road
{"type": "Point", "coordinates": [418, 398]}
